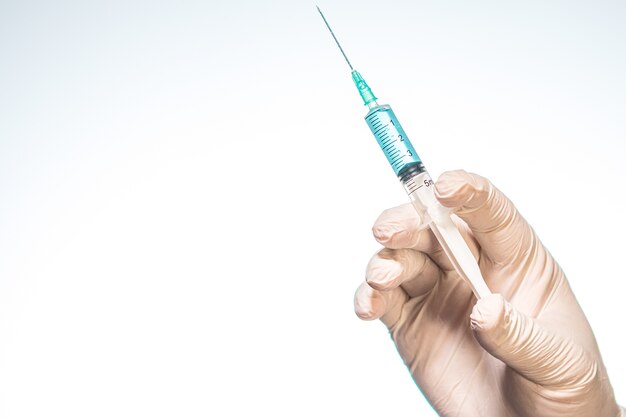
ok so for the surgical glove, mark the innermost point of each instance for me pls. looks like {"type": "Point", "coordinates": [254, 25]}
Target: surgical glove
{"type": "Point", "coordinates": [525, 350]}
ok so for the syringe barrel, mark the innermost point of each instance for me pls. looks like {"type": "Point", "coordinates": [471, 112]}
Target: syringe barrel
{"type": "Point", "coordinates": [420, 187]}
{"type": "Point", "coordinates": [391, 138]}
{"type": "Point", "coordinates": [403, 158]}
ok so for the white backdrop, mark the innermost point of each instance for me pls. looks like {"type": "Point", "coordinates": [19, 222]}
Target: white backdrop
{"type": "Point", "coordinates": [187, 189]}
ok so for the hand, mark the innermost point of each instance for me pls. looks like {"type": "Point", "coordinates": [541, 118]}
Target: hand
{"type": "Point", "coordinates": [526, 350]}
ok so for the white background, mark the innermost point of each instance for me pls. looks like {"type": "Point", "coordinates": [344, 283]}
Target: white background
{"type": "Point", "coordinates": [187, 189]}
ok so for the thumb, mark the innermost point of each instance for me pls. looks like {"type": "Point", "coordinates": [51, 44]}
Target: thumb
{"type": "Point", "coordinates": [502, 233]}
{"type": "Point", "coordinates": [536, 353]}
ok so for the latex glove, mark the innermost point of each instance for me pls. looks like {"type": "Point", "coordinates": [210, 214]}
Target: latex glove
{"type": "Point", "coordinates": [526, 350]}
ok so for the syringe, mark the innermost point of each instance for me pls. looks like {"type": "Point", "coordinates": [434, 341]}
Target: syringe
{"type": "Point", "coordinates": [409, 168]}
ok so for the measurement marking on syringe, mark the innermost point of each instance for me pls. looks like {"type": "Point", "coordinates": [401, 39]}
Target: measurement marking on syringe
{"type": "Point", "coordinates": [388, 146]}
{"type": "Point", "coordinates": [381, 128]}
{"type": "Point", "coordinates": [376, 124]}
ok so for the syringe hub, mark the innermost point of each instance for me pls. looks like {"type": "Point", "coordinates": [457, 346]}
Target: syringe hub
{"type": "Point", "coordinates": [364, 90]}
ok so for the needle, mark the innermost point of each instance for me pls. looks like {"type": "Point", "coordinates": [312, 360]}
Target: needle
{"type": "Point", "coordinates": [334, 37]}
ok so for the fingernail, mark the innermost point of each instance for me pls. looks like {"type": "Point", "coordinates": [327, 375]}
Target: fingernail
{"type": "Point", "coordinates": [382, 272]}
{"type": "Point", "coordinates": [451, 183]}
{"type": "Point", "coordinates": [488, 312]}
{"type": "Point", "coordinates": [384, 233]}
{"type": "Point", "coordinates": [367, 303]}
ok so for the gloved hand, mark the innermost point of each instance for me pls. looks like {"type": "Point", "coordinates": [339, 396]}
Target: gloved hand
{"type": "Point", "coordinates": [526, 350]}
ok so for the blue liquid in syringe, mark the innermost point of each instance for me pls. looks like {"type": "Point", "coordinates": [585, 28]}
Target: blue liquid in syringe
{"type": "Point", "coordinates": [391, 138]}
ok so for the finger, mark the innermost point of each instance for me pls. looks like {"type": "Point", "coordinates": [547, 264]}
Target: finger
{"type": "Point", "coordinates": [401, 227]}
{"type": "Point", "coordinates": [500, 230]}
{"type": "Point", "coordinates": [536, 353]}
{"type": "Point", "coordinates": [371, 304]}
{"type": "Point", "coordinates": [414, 271]}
